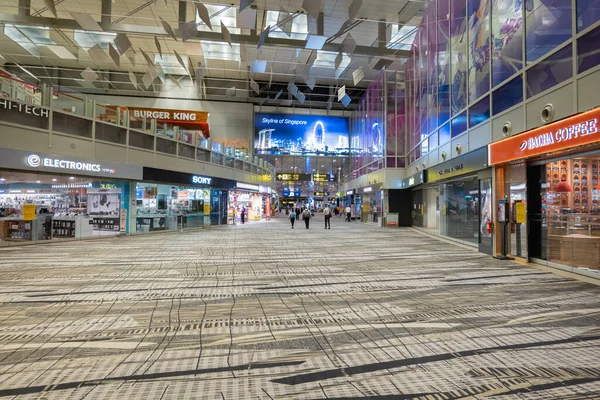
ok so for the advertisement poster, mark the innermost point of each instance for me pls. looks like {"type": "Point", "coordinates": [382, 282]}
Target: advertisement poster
{"type": "Point", "coordinates": [123, 220]}
{"type": "Point", "coordinates": [300, 134]}
{"type": "Point", "coordinates": [28, 212]}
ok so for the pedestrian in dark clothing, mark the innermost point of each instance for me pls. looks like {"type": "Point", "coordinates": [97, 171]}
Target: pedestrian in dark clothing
{"type": "Point", "coordinates": [243, 215]}
{"type": "Point", "coordinates": [306, 216]}
{"type": "Point", "coordinates": [327, 213]}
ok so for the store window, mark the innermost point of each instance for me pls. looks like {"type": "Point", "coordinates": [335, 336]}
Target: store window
{"type": "Point", "coordinates": [253, 204]}
{"type": "Point", "coordinates": [459, 202]}
{"type": "Point", "coordinates": [50, 207]}
{"type": "Point", "coordinates": [167, 207]}
{"type": "Point", "coordinates": [571, 206]}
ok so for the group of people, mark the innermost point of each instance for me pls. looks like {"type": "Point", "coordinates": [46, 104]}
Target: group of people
{"type": "Point", "coordinates": [306, 215]}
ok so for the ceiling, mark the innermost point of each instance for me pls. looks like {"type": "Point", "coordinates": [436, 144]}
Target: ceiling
{"type": "Point", "coordinates": [55, 50]}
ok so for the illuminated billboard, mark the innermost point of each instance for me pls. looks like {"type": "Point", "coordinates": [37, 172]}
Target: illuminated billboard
{"type": "Point", "coordinates": [300, 134]}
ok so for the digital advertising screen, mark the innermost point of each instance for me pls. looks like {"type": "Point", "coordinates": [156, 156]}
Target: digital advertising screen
{"type": "Point", "coordinates": [300, 134]}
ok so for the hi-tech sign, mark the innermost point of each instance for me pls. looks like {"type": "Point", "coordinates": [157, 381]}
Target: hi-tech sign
{"type": "Point", "coordinates": [24, 108]}
{"type": "Point", "coordinates": [34, 161]}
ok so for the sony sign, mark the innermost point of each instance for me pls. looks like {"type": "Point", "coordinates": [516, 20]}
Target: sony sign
{"type": "Point", "coordinates": [35, 161]}
{"type": "Point", "coordinates": [202, 180]}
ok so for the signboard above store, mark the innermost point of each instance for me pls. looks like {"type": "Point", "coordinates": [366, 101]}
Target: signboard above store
{"type": "Point", "coordinates": [413, 180]}
{"type": "Point", "coordinates": [19, 159]}
{"type": "Point", "coordinates": [571, 132]}
{"type": "Point", "coordinates": [474, 161]}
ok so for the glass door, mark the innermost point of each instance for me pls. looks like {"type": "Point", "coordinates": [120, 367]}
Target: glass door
{"type": "Point", "coordinates": [485, 204]}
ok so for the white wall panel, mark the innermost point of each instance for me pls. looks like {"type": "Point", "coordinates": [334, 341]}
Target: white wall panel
{"type": "Point", "coordinates": [464, 142]}
{"type": "Point", "coordinates": [24, 139]}
{"type": "Point", "coordinates": [588, 91]}
{"type": "Point", "coordinates": [72, 146]}
{"type": "Point", "coordinates": [562, 100]}
{"type": "Point", "coordinates": [480, 136]}
{"type": "Point", "coordinates": [516, 118]}
{"type": "Point", "coordinates": [111, 152]}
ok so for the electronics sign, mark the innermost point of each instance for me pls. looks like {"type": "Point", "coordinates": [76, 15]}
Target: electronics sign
{"type": "Point", "coordinates": [300, 134]}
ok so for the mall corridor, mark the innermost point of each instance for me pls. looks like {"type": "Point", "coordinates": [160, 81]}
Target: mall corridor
{"type": "Point", "coordinates": [261, 311]}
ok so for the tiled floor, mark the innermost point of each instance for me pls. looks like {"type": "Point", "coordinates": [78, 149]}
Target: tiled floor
{"type": "Point", "coordinates": [262, 311]}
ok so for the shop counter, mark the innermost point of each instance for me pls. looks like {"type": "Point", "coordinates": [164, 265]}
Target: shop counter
{"type": "Point", "coordinates": [18, 230]}
{"type": "Point", "coordinates": [72, 227]}
{"type": "Point", "coordinates": [575, 250]}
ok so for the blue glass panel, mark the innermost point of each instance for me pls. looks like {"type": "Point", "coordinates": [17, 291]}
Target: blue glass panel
{"type": "Point", "coordinates": [444, 134]}
{"type": "Point", "coordinates": [508, 95]}
{"type": "Point", "coordinates": [479, 49]}
{"type": "Point", "coordinates": [479, 112]}
{"type": "Point", "coordinates": [588, 13]}
{"type": "Point", "coordinates": [548, 25]}
{"type": "Point", "coordinates": [433, 141]}
{"type": "Point", "coordinates": [588, 55]}
{"type": "Point", "coordinates": [507, 43]}
{"type": "Point", "coordinates": [550, 72]}
{"type": "Point", "coordinates": [459, 124]}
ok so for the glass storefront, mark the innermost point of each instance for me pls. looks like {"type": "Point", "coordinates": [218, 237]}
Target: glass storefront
{"type": "Point", "coordinates": [253, 203]}
{"type": "Point", "coordinates": [458, 209]}
{"type": "Point", "coordinates": [52, 207]}
{"type": "Point", "coordinates": [567, 201]}
{"type": "Point", "coordinates": [161, 207]}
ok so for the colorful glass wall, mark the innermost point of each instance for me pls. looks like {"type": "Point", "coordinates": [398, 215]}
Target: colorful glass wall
{"type": "Point", "coordinates": [472, 59]}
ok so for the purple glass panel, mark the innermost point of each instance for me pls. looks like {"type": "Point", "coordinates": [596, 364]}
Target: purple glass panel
{"type": "Point", "coordinates": [479, 48]}
{"type": "Point", "coordinates": [588, 55]}
{"type": "Point", "coordinates": [432, 79]}
{"type": "Point", "coordinates": [459, 124]}
{"type": "Point", "coordinates": [443, 54]}
{"type": "Point", "coordinates": [458, 65]}
{"type": "Point", "coordinates": [400, 162]}
{"type": "Point", "coordinates": [588, 13]}
{"type": "Point", "coordinates": [422, 83]}
{"type": "Point", "coordinates": [479, 112]}
{"type": "Point", "coordinates": [553, 70]}
{"type": "Point", "coordinates": [508, 95]}
{"type": "Point", "coordinates": [507, 43]}
{"type": "Point", "coordinates": [390, 162]}
{"type": "Point", "coordinates": [548, 24]}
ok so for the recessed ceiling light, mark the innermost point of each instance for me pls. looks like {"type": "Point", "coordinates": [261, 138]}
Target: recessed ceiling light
{"type": "Point", "coordinates": [2, 179]}
{"type": "Point", "coordinates": [53, 179]}
{"type": "Point", "coordinates": [71, 177]}
{"type": "Point", "coordinates": [38, 182]}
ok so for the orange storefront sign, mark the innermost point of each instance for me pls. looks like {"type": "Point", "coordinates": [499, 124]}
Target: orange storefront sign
{"type": "Point", "coordinates": [167, 115]}
{"type": "Point", "coordinates": [575, 131]}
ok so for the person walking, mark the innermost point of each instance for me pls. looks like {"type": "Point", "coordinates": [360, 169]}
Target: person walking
{"type": "Point", "coordinates": [293, 217]}
{"type": "Point", "coordinates": [306, 216]}
{"type": "Point", "coordinates": [243, 215]}
{"type": "Point", "coordinates": [327, 213]}
{"type": "Point", "coordinates": [348, 214]}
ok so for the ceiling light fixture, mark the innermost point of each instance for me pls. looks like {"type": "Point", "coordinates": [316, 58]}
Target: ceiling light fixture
{"type": "Point", "coordinates": [71, 177]}
{"type": "Point", "coordinates": [53, 179]}
{"type": "Point", "coordinates": [38, 182]}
